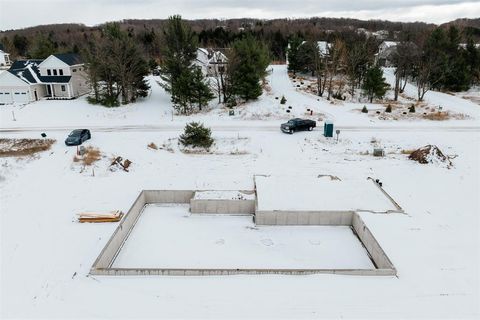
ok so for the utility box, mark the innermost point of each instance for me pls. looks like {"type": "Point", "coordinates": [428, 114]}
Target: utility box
{"type": "Point", "coordinates": [378, 152]}
{"type": "Point", "coordinates": [328, 129]}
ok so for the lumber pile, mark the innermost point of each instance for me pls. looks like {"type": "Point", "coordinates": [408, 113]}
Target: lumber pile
{"type": "Point", "coordinates": [111, 216]}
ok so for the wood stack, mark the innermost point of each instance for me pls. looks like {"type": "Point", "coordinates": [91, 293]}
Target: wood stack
{"type": "Point", "coordinates": [112, 216]}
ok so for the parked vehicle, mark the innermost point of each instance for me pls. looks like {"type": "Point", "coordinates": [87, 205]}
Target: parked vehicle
{"type": "Point", "coordinates": [297, 124]}
{"type": "Point", "coordinates": [77, 137]}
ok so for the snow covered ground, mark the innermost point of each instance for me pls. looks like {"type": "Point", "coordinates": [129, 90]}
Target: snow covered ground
{"type": "Point", "coordinates": [169, 236]}
{"type": "Point", "coordinates": [46, 255]}
{"type": "Point", "coordinates": [321, 193]}
{"type": "Point", "coordinates": [156, 110]}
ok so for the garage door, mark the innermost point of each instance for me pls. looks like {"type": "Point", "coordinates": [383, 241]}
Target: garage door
{"type": "Point", "coordinates": [20, 96]}
{"type": "Point", "coordinates": [5, 97]}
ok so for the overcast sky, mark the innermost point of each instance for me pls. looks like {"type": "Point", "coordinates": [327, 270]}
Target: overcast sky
{"type": "Point", "coordinates": [24, 13]}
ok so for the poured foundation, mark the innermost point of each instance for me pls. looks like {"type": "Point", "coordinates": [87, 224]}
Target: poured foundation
{"type": "Point", "coordinates": [169, 236]}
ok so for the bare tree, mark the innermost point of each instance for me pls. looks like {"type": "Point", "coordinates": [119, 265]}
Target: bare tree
{"type": "Point", "coordinates": [336, 59]}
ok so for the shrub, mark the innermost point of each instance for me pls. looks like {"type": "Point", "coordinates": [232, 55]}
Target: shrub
{"type": "Point", "coordinates": [364, 109]}
{"type": "Point", "coordinates": [283, 100]}
{"type": "Point", "coordinates": [196, 135]}
{"type": "Point", "coordinates": [388, 109]}
{"type": "Point", "coordinates": [411, 109]}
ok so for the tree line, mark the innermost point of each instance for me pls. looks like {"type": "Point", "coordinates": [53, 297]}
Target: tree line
{"type": "Point", "coordinates": [438, 60]}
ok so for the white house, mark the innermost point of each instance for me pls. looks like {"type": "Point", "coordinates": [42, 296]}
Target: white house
{"type": "Point", "coordinates": [385, 53]}
{"type": "Point", "coordinates": [210, 61]}
{"type": "Point", "coordinates": [60, 76]}
{"type": "Point", "coordinates": [64, 76]}
{"type": "Point", "coordinates": [21, 83]}
{"type": "Point", "coordinates": [4, 57]}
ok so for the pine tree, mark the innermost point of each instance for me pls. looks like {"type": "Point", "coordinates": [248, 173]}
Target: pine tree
{"type": "Point", "coordinates": [182, 80]}
{"type": "Point", "coordinates": [292, 54]}
{"type": "Point", "coordinates": [374, 83]}
{"type": "Point", "coordinates": [196, 135]}
{"type": "Point", "coordinates": [247, 66]}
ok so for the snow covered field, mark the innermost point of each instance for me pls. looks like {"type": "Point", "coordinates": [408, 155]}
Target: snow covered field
{"type": "Point", "coordinates": [170, 237]}
{"type": "Point", "coordinates": [46, 255]}
{"type": "Point", "coordinates": [323, 193]}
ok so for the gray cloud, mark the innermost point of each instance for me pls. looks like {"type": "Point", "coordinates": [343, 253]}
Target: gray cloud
{"type": "Point", "coordinates": [23, 13]}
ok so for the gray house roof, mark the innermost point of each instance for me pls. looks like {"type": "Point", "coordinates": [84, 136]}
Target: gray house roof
{"type": "Point", "coordinates": [26, 70]}
{"type": "Point", "coordinates": [69, 58]}
{"type": "Point", "coordinates": [56, 79]}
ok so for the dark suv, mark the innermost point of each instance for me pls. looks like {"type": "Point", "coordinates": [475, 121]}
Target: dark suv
{"type": "Point", "coordinates": [297, 124]}
{"type": "Point", "coordinates": [77, 137]}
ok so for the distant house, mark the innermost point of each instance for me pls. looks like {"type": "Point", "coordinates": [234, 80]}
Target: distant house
{"type": "Point", "coordinates": [386, 51]}
{"type": "Point", "coordinates": [323, 48]}
{"type": "Point", "coordinates": [60, 76]}
{"type": "Point", "coordinates": [210, 61]}
{"type": "Point", "coordinates": [4, 57]}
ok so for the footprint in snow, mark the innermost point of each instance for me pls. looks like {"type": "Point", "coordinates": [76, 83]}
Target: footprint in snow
{"type": "Point", "coordinates": [267, 242]}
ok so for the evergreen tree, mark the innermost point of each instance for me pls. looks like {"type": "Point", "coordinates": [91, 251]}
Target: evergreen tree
{"type": "Point", "coordinates": [292, 54]}
{"type": "Point", "coordinates": [374, 83]}
{"type": "Point", "coordinates": [21, 44]}
{"type": "Point", "coordinates": [247, 66]}
{"type": "Point", "coordinates": [306, 57]}
{"type": "Point", "coordinates": [472, 59]}
{"type": "Point", "coordinates": [43, 47]}
{"type": "Point", "coordinates": [182, 79]}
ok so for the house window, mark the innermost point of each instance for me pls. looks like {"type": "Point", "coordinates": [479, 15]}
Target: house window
{"type": "Point", "coordinates": [61, 72]}
{"type": "Point", "coordinates": [49, 72]}
{"type": "Point", "coordinates": [54, 72]}
{"type": "Point", "coordinates": [17, 92]}
{"type": "Point", "coordinates": [74, 70]}
{"type": "Point", "coordinates": [63, 88]}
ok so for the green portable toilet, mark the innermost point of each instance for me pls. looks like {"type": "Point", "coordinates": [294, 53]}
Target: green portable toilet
{"type": "Point", "coordinates": [328, 129]}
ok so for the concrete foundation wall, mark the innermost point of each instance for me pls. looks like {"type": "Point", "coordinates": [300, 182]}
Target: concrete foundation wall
{"type": "Point", "coordinates": [116, 241]}
{"type": "Point", "coordinates": [222, 206]}
{"type": "Point", "coordinates": [103, 264]}
{"type": "Point", "coordinates": [214, 272]}
{"type": "Point", "coordinates": [168, 196]}
{"type": "Point", "coordinates": [371, 244]}
{"type": "Point", "coordinates": [304, 218]}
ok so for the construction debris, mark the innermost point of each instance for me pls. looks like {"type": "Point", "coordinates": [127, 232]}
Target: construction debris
{"type": "Point", "coordinates": [117, 162]}
{"type": "Point", "coordinates": [112, 216]}
{"type": "Point", "coordinates": [430, 154]}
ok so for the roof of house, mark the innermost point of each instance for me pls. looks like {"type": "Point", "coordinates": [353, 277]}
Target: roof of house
{"type": "Point", "coordinates": [56, 79]}
{"type": "Point", "coordinates": [27, 70]}
{"type": "Point", "coordinates": [69, 58]}
{"type": "Point", "coordinates": [389, 44]}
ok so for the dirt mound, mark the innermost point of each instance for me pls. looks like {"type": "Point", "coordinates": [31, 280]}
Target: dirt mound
{"type": "Point", "coordinates": [430, 154]}
{"type": "Point", "coordinates": [23, 147]}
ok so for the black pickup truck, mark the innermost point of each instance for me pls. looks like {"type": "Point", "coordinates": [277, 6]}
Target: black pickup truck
{"type": "Point", "coordinates": [297, 124]}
